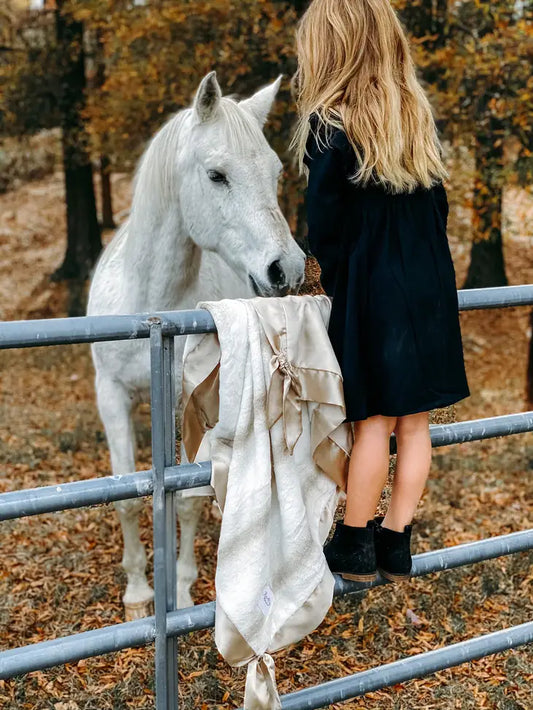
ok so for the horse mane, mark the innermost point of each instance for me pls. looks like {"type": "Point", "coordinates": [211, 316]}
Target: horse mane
{"type": "Point", "coordinates": [156, 173]}
{"type": "Point", "coordinates": [239, 124]}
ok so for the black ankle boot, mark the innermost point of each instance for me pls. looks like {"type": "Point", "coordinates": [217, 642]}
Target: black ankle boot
{"type": "Point", "coordinates": [351, 553]}
{"type": "Point", "coordinates": [393, 554]}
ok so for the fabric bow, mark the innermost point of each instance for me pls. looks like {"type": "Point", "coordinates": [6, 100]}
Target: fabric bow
{"type": "Point", "coordinates": [284, 395]}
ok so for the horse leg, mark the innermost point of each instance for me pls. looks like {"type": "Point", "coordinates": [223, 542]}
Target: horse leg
{"type": "Point", "coordinates": [189, 511]}
{"type": "Point", "coordinates": [115, 405]}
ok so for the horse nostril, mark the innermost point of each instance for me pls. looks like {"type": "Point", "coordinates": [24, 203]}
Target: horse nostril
{"type": "Point", "coordinates": [276, 274]}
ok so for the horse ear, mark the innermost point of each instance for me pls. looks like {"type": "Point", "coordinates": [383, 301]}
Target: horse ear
{"type": "Point", "coordinates": [260, 103]}
{"type": "Point", "coordinates": [207, 97]}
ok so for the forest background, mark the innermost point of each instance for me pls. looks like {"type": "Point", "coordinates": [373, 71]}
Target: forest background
{"type": "Point", "coordinates": [108, 73]}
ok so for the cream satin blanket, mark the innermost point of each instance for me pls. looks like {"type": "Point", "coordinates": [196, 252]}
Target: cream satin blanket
{"type": "Point", "coordinates": [268, 390]}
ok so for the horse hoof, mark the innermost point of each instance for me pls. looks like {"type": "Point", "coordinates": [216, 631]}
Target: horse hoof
{"type": "Point", "coordinates": [138, 610]}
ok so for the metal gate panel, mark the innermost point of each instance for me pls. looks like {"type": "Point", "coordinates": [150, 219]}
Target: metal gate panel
{"type": "Point", "coordinates": [166, 478]}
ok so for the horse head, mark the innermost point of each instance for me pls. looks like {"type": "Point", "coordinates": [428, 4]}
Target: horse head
{"type": "Point", "coordinates": [229, 199]}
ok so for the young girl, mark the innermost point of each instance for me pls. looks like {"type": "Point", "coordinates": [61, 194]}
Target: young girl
{"type": "Point", "coordinates": [377, 213]}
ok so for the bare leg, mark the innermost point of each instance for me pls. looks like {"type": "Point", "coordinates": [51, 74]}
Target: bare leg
{"type": "Point", "coordinates": [412, 469]}
{"type": "Point", "coordinates": [114, 405]}
{"type": "Point", "coordinates": [369, 466]}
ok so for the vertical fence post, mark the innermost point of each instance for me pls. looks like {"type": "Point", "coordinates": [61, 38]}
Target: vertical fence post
{"type": "Point", "coordinates": [163, 409]}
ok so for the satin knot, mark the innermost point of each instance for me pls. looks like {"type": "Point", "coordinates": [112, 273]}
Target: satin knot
{"type": "Point", "coordinates": [284, 364]}
{"type": "Point", "coordinates": [284, 398]}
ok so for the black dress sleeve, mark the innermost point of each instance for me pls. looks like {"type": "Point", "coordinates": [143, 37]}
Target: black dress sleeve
{"type": "Point", "coordinates": [326, 204]}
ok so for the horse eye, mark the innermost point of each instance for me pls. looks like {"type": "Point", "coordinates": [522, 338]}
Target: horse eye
{"type": "Point", "coordinates": [215, 176]}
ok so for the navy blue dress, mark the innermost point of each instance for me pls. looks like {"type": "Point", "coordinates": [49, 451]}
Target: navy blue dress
{"type": "Point", "coordinates": [386, 263]}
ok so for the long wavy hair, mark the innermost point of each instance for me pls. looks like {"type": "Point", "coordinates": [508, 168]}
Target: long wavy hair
{"type": "Point", "coordinates": [356, 73]}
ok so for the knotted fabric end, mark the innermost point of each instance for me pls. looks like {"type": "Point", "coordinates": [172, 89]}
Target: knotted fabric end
{"type": "Point", "coordinates": [261, 692]}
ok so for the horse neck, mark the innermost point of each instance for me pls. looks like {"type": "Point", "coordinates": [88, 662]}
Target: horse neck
{"type": "Point", "coordinates": [161, 261]}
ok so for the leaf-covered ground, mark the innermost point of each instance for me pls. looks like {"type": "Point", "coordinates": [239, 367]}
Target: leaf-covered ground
{"type": "Point", "coordinates": [61, 573]}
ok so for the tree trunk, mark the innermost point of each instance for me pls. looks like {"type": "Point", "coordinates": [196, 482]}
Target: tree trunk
{"type": "Point", "coordinates": [105, 163]}
{"type": "Point", "coordinates": [83, 232]}
{"type": "Point", "coordinates": [107, 202]}
{"type": "Point", "coordinates": [487, 267]}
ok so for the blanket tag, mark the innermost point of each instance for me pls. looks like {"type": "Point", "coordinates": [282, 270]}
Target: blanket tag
{"type": "Point", "coordinates": [266, 600]}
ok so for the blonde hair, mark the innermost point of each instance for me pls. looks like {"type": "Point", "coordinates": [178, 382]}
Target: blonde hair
{"type": "Point", "coordinates": [356, 73]}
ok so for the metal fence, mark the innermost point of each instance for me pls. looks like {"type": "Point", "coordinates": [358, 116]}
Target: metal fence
{"type": "Point", "coordinates": [165, 479]}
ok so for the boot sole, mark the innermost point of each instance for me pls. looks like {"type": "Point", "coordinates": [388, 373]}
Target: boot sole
{"type": "Point", "coordinates": [360, 577]}
{"type": "Point", "coordinates": [394, 577]}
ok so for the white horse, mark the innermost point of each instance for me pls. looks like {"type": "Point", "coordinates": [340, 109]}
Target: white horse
{"type": "Point", "coordinates": [205, 224]}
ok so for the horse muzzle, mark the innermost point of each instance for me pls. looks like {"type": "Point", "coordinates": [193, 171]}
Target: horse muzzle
{"type": "Point", "coordinates": [276, 283]}
{"type": "Point", "coordinates": [268, 290]}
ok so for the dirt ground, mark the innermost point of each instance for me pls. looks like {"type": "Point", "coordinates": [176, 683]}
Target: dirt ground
{"type": "Point", "coordinates": [61, 573]}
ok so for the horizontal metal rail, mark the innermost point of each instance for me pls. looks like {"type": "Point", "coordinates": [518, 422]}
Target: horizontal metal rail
{"type": "Point", "coordinates": [418, 666]}
{"type": "Point", "coordinates": [95, 491]}
{"type": "Point", "coordinates": [69, 649]}
{"type": "Point", "coordinates": [94, 329]}
{"type": "Point", "coordinates": [478, 429]}
{"type": "Point", "coordinates": [89, 329]}
{"type": "Point", "coordinates": [495, 297]}
{"type": "Point", "coordinates": [49, 499]}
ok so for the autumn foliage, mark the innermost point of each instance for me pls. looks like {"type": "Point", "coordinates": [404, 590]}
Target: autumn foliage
{"type": "Point", "coordinates": [144, 61]}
